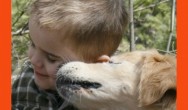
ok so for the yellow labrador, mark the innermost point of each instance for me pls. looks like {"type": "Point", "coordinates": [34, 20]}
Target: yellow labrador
{"type": "Point", "coordinates": [140, 80]}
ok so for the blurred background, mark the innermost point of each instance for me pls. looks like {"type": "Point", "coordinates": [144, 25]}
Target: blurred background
{"type": "Point", "coordinates": [152, 25]}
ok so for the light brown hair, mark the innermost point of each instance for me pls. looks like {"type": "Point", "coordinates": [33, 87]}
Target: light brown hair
{"type": "Point", "coordinates": [96, 27]}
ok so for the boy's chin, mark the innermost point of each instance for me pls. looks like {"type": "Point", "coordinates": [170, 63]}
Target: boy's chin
{"type": "Point", "coordinates": [45, 85]}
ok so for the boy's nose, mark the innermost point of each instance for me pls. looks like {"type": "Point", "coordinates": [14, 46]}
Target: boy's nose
{"type": "Point", "coordinates": [36, 60]}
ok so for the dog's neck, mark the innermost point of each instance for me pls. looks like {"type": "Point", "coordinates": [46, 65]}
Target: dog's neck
{"type": "Point", "coordinates": [124, 103]}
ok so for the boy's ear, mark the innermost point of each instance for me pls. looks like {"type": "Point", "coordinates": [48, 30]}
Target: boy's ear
{"type": "Point", "coordinates": [103, 58]}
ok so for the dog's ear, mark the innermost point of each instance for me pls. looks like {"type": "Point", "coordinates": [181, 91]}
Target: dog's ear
{"type": "Point", "coordinates": [158, 80]}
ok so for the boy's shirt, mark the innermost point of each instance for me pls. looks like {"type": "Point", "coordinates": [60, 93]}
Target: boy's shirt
{"type": "Point", "coordinates": [27, 96]}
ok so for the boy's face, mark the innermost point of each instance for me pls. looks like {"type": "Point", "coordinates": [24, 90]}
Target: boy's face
{"type": "Point", "coordinates": [47, 51]}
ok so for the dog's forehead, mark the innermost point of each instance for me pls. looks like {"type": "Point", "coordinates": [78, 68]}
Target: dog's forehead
{"type": "Point", "coordinates": [78, 66]}
{"type": "Point", "coordinates": [82, 64]}
{"type": "Point", "coordinates": [73, 65]}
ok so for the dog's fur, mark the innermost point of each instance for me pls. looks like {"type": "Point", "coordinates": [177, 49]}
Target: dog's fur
{"type": "Point", "coordinates": [140, 80]}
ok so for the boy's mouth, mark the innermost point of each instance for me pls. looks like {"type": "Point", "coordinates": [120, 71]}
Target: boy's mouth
{"type": "Point", "coordinates": [40, 74]}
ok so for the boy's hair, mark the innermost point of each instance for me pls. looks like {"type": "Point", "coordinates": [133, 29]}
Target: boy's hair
{"type": "Point", "coordinates": [96, 27]}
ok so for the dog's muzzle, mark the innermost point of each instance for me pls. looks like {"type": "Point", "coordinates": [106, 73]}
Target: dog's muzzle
{"type": "Point", "coordinates": [65, 82]}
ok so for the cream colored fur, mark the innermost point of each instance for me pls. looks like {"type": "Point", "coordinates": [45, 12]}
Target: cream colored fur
{"type": "Point", "coordinates": [140, 80]}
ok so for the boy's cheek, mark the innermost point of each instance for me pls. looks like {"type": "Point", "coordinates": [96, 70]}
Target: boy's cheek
{"type": "Point", "coordinates": [52, 70]}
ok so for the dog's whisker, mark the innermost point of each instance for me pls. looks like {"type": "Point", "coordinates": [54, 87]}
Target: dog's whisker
{"type": "Point", "coordinates": [68, 100]}
{"type": "Point", "coordinates": [80, 98]}
{"type": "Point", "coordinates": [64, 105]}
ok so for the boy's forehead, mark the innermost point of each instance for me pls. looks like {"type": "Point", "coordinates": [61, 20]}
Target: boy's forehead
{"type": "Point", "coordinates": [59, 34]}
{"type": "Point", "coordinates": [42, 31]}
{"type": "Point", "coordinates": [48, 39]}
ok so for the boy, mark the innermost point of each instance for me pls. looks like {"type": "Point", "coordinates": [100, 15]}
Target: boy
{"type": "Point", "coordinates": [63, 31]}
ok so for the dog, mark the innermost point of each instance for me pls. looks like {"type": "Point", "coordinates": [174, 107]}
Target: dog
{"type": "Point", "coordinates": [139, 80]}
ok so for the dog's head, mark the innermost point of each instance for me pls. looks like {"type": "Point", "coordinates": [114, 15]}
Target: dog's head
{"type": "Point", "coordinates": [146, 79]}
{"type": "Point", "coordinates": [90, 85]}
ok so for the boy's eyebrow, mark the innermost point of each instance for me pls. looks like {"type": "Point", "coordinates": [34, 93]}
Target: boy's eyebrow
{"type": "Point", "coordinates": [44, 50]}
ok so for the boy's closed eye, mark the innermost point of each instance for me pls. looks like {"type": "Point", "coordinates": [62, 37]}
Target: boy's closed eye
{"type": "Point", "coordinates": [50, 57]}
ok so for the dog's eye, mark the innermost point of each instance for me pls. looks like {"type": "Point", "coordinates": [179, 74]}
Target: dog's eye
{"type": "Point", "coordinates": [111, 62]}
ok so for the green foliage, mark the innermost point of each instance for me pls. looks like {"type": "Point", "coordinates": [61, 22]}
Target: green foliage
{"type": "Point", "coordinates": [19, 40]}
{"type": "Point", "coordinates": [19, 50]}
{"type": "Point", "coordinates": [152, 19]}
{"type": "Point", "coordinates": [19, 16]}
